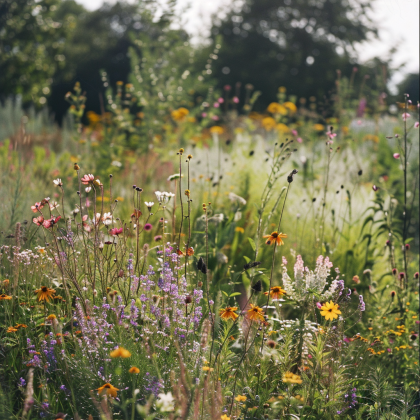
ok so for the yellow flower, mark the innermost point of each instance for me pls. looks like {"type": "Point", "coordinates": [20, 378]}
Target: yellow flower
{"type": "Point", "coordinates": [44, 293]}
{"type": "Point", "coordinates": [51, 317]}
{"type": "Point", "coordinates": [276, 292]}
{"type": "Point", "coordinates": [217, 130]}
{"type": "Point", "coordinates": [11, 330]}
{"type": "Point", "coordinates": [5, 297]}
{"type": "Point", "coordinates": [228, 313]}
{"type": "Point", "coordinates": [224, 417]}
{"type": "Point", "coordinates": [180, 114]}
{"type": "Point", "coordinates": [319, 127]}
{"type": "Point", "coordinates": [275, 237]}
{"type": "Point", "coordinates": [276, 108]}
{"type": "Point", "coordinates": [255, 313]}
{"type": "Point", "coordinates": [268, 123]}
{"type": "Point", "coordinates": [207, 369]}
{"type": "Point", "coordinates": [108, 389]}
{"type": "Point", "coordinates": [291, 378]}
{"type": "Point", "coordinates": [282, 128]}
{"type": "Point", "coordinates": [282, 89]}
{"type": "Point", "coordinates": [134, 369]}
{"type": "Point", "coordinates": [330, 310]}
{"type": "Point", "coordinates": [240, 398]}
{"type": "Point", "coordinates": [239, 229]}
{"type": "Point", "coordinates": [120, 352]}
{"type": "Point", "coordinates": [290, 106]}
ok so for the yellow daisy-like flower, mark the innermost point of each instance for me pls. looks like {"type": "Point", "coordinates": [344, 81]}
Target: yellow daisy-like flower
{"type": "Point", "coordinates": [290, 106]}
{"type": "Point", "coordinates": [240, 398]}
{"type": "Point", "coordinates": [275, 237]}
{"type": "Point", "coordinates": [51, 317]}
{"type": "Point", "coordinates": [207, 369]}
{"type": "Point", "coordinates": [11, 330]}
{"type": "Point", "coordinates": [276, 108]}
{"type": "Point", "coordinates": [133, 370]}
{"type": "Point", "coordinates": [120, 352]}
{"type": "Point", "coordinates": [330, 310]}
{"type": "Point", "coordinates": [319, 127]}
{"type": "Point", "coordinates": [276, 292]}
{"type": "Point", "coordinates": [291, 378]}
{"type": "Point", "coordinates": [228, 313]}
{"type": "Point", "coordinates": [45, 293]}
{"type": "Point", "coordinates": [268, 123]}
{"type": "Point", "coordinates": [108, 389]}
{"type": "Point", "coordinates": [216, 129]}
{"type": "Point", "coordinates": [224, 417]}
{"type": "Point", "coordinates": [5, 297]}
{"type": "Point", "coordinates": [179, 114]}
{"type": "Point", "coordinates": [255, 313]}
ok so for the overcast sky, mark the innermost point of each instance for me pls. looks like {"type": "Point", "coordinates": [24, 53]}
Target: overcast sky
{"type": "Point", "coordinates": [398, 22]}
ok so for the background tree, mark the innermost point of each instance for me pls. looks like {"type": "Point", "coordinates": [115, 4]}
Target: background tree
{"type": "Point", "coordinates": [31, 47]}
{"type": "Point", "coordinates": [298, 44]}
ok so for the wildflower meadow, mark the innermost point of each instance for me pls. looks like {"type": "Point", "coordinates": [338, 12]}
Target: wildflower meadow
{"type": "Point", "coordinates": [188, 254]}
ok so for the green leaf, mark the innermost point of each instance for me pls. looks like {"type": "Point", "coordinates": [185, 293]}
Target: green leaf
{"type": "Point", "coordinates": [251, 241]}
{"type": "Point", "coordinates": [225, 293]}
{"type": "Point", "coordinates": [234, 294]}
{"type": "Point", "coordinates": [247, 259]}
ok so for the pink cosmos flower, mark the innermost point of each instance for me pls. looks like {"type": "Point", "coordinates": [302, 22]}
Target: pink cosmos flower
{"type": "Point", "coordinates": [87, 179]}
{"type": "Point", "coordinates": [116, 231]}
{"type": "Point", "coordinates": [331, 135]}
{"type": "Point", "coordinates": [396, 155]}
{"type": "Point", "coordinates": [51, 222]}
{"type": "Point", "coordinates": [405, 115]}
{"type": "Point", "coordinates": [38, 220]}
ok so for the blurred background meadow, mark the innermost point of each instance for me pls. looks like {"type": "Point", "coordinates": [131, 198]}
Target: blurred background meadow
{"type": "Point", "coordinates": [167, 169]}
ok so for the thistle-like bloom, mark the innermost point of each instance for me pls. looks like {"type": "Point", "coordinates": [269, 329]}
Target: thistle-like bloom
{"type": "Point", "coordinates": [255, 313]}
{"type": "Point", "coordinates": [108, 389]}
{"type": "Point", "coordinates": [45, 293]}
{"type": "Point", "coordinates": [228, 313]}
{"type": "Point", "coordinates": [87, 179]}
{"type": "Point", "coordinates": [291, 378]}
{"type": "Point", "coordinates": [5, 297]}
{"type": "Point", "coordinates": [275, 237]}
{"type": "Point", "coordinates": [120, 352]}
{"type": "Point", "coordinates": [134, 370]}
{"type": "Point", "coordinates": [276, 292]}
{"type": "Point", "coordinates": [330, 310]}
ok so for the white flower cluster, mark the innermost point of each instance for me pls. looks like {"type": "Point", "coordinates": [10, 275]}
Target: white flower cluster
{"type": "Point", "coordinates": [163, 197]}
{"type": "Point", "coordinates": [308, 282]}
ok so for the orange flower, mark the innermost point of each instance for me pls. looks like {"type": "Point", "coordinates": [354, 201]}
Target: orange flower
{"type": "Point", "coordinates": [120, 352]}
{"type": "Point", "coordinates": [21, 326]}
{"type": "Point", "coordinates": [44, 293]}
{"type": "Point", "coordinates": [255, 313]}
{"type": "Point", "coordinates": [134, 369]}
{"type": "Point", "coordinates": [228, 313]}
{"type": "Point", "coordinates": [5, 297]}
{"type": "Point", "coordinates": [275, 237]}
{"type": "Point", "coordinates": [276, 292]}
{"type": "Point", "coordinates": [108, 389]}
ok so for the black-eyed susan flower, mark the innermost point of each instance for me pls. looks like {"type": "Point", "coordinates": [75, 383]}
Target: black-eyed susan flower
{"type": "Point", "coordinates": [330, 310]}
{"type": "Point", "coordinates": [120, 352]}
{"type": "Point", "coordinates": [108, 389]}
{"type": "Point", "coordinates": [276, 292]}
{"type": "Point", "coordinates": [228, 313]}
{"type": "Point", "coordinates": [255, 313]}
{"type": "Point", "coordinates": [134, 370]}
{"type": "Point", "coordinates": [275, 237]}
{"type": "Point", "coordinates": [5, 297]}
{"type": "Point", "coordinates": [240, 398]}
{"type": "Point", "coordinates": [45, 293]}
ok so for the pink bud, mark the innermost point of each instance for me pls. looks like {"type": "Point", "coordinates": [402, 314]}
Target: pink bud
{"type": "Point", "coordinates": [294, 132]}
{"type": "Point", "coordinates": [318, 305]}
{"type": "Point", "coordinates": [416, 124]}
{"type": "Point", "coordinates": [375, 188]}
{"type": "Point", "coordinates": [396, 155]}
{"type": "Point", "coordinates": [299, 140]}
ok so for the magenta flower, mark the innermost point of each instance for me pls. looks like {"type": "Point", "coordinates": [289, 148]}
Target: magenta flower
{"type": "Point", "coordinates": [148, 227]}
{"type": "Point", "coordinates": [116, 231]}
{"type": "Point", "coordinates": [396, 155]}
{"type": "Point", "coordinates": [220, 100]}
{"type": "Point", "coordinates": [235, 99]}
{"type": "Point", "coordinates": [318, 305]}
{"type": "Point", "coordinates": [416, 124]}
{"type": "Point", "coordinates": [158, 238]}
{"type": "Point", "coordinates": [331, 135]}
